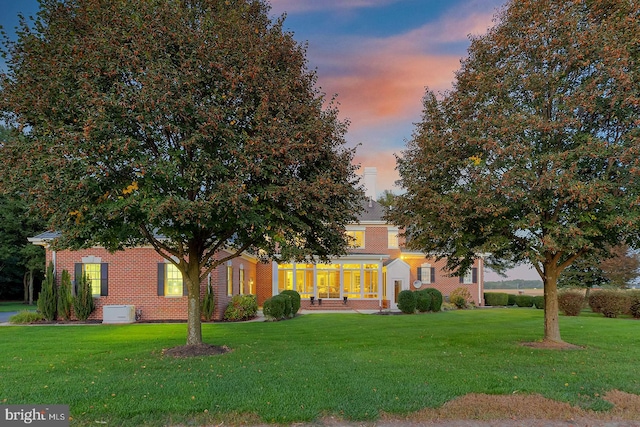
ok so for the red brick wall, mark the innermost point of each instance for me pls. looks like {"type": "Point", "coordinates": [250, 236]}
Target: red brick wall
{"type": "Point", "coordinates": [444, 283]}
{"type": "Point", "coordinates": [133, 278]}
{"type": "Point", "coordinates": [264, 282]}
{"type": "Point", "coordinates": [376, 241]}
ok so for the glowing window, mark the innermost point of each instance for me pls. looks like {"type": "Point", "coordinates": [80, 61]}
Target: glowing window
{"type": "Point", "coordinates": [173, 286]}
{"type": "Point", "coordinates": [92, 271]}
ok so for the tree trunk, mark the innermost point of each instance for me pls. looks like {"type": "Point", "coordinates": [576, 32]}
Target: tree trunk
{"type": "Point", "coordinates": [25, 287]}
{"type": "Point", "coordinates": [194, 323]}
{"type": "Point", "coordinates": [31, 274]}
{"type": "Point", "coordinates": [551, 323]}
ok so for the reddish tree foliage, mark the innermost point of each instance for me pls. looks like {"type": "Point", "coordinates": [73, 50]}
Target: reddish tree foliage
{"type": "Point", "coordinates": [534, 155]}
{"type": "Point", "coordinates": [193, 120]}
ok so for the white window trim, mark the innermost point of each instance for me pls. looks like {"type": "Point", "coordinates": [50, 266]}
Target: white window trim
{"type": "Point", "coordinates": [425, 279]}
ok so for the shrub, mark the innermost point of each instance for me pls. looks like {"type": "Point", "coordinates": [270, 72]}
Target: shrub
{"type": "Point", "coordinates": [538, 301]}
{"type": "Point", "coordinates": [288, 305]}
{"type": "Point", "coordinates": [512, 300]}
{"type": "Point", "coordinates": [295, 300]}
{"type": "Point", "coordinates": [273, 308]}
{"type": "Point", "coordinates": [65, 298]}
{"type": "Point", "coordinates": [25, 317]}
{"type": "Point", "coordinates": [208, 304]}
{"type": "Point", "coordinates": [407, 302]}
{"type": "Point", "coordinates": [496, 298]}
{"type": "Point", "coordinates": [571, 301]}
{"type": "Point", "coordinates": [634, 303]}
{"type": "Point", "coordinates": [83, 304]}
{"type": "Point", "coordinates": [613, 303]}
{"type": "Point", "coordinates": [423, 301]}
{"type": "Point", "coordinates": [595, 301]}
{"type": "Point", "coordinates": [524, 300]}
{"type": "Point", "coordinates": [436, 299]}
{"type": "Point", "coordinates": [461, 297]}
{"type": "Point", "coordinates": [47, 300]}
{"type": "Point", "coordinates": [241, 307]}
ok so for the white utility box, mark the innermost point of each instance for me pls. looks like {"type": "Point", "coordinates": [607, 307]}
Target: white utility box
{"type": "Point", "coordinates": [118, 314]}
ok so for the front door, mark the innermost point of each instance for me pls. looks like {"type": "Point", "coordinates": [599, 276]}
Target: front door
{"type": "Point", "coordinates": [397, 287]}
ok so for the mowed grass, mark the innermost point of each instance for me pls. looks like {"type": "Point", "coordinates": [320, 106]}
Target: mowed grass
{"type": "Point", "coordinates": [349, 365]}
{"type": "Point", "coordinates": [7, 306]}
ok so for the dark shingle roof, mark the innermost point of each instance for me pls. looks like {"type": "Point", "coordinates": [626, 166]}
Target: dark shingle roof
{"type": "Point", "coordinates": [372, 211]}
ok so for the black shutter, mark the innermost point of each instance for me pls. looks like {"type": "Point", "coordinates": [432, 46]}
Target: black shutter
{"type": "Point", "coordinates": [160, 279]}
{"type": "Point", "coordinates": [420, 273]}
{"type": "Point", "coordinates": [474, 275]}
{"type": "Point", "coordinates": [78, 275]}
{"type": "Point", "coordinates": [433, 275]}
{"type": "Point", "coordinates": [461, 279]}
{"type": "Point", "coordinates": [104, 279]}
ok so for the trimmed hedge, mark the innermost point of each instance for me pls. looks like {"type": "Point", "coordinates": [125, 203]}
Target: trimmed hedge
{"type": "Point", "coordinates": [634, 303]}
{"type": "Point", "coordinates": [610, 302]}
{"type": "Point", "coordinates": [571, 302]}
{"type": "Point", "coordinates": [407, 302]}
{"type": "Point", "coordinates": [496, 299]}
{"type": "Point", "coordinates": [524, 300]}
{"type": "Point", "coordinates": [273, 308]}
{"type": "Point", "coordinates": [436, 299]}
{"type": "Point", "coordinates": [538, 302]}
{"type": "Point", "coordinates": [512, 300]}
{"type": "Point", "coordinates": [423, 300]}
{"type": "Point", "coordinates": [295, 300]}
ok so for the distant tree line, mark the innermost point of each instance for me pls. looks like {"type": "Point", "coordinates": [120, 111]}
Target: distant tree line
{"type": "Point", "coordinates": [513, 284]}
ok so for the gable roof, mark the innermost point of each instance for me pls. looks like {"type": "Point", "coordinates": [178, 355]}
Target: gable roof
{"type": "Point", "coordinates": [372, 211]}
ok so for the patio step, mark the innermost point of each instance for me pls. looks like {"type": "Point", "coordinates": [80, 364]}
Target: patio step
{"type": "Point", "coordinates": [326, 305]}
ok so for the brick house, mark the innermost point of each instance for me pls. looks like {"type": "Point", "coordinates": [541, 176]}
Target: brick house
{"type": "Point", "coordinates": [369, 277]}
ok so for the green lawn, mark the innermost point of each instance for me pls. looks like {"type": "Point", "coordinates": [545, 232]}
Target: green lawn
{"type": "Point", "coordinates": [345, 364]}
{"type": "Point", "coordinates": [6, 306]}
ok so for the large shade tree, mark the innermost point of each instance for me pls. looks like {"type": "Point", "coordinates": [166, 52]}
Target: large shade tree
{"type": "Point", "coordinates": [533, 155]}
{"type": "Point", "coordinates": [191, 125]}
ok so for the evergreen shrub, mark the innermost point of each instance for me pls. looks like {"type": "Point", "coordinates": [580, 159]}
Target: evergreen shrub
{"type": "Point", "coordinates": [288, 305]}
{"type": "Point", "coordinates": [524, 300]}
{"type": "Point", "coordinates": [423, 301]}
{"type": "Point", "coordinates": [47, 301]}
{"type": "Point", "coordinates": [571, 301]}
{"type": "Point", "coordinates": [496, 299]}
{"type": "Point", "coordinates": [538, 302]}
{"type": "Point", "coordinates": [295, 300]}
{"type": "Point", "coordinates": [83, 304]}
{"type": "Point", "coordinates": [512, 300]}
{"type": "Point", "coordinates": [436, 299]}
{"type": "Point", "coordinates": [65, 298]}
{"type": "Point", "coordinates": [407, 302]}
{"type": "Point", "coordinates": [208, 304]}
{"type": "Point", "coordinates": [273, 308]}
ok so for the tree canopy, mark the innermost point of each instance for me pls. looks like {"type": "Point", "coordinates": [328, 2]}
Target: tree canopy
{"type": "Point", "coordinates": [194, 120]}
{"type": "Point", "coordinates": [533, 155]}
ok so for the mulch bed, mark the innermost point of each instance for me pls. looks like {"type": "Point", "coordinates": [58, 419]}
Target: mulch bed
{"type": "Point", "coordinates": [196, 350]}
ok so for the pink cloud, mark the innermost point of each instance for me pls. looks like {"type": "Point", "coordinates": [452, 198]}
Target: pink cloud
{"type": "Point", "coordinates": [384, 162]}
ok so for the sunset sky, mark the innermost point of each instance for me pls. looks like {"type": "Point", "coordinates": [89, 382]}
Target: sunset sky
{"type": "Point", "coordinates": [377, 57]}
